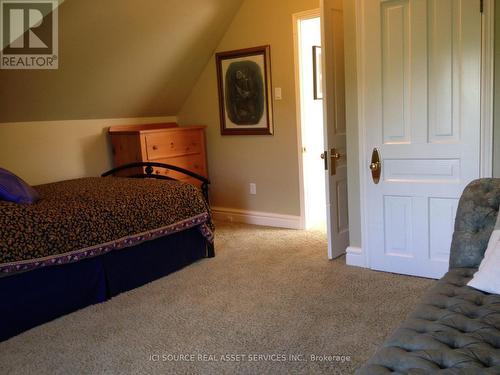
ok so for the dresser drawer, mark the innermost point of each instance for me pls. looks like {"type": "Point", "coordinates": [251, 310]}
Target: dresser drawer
{"type": "Point", "coordinates": [171, 144]}
{"type": "Point", "coordinates": [193, 163]}
{"type": "Point", "coordinates": [163, 143]}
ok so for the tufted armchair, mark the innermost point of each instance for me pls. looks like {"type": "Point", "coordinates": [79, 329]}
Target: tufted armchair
{"type": "Point", "coordinates": [455, 329]}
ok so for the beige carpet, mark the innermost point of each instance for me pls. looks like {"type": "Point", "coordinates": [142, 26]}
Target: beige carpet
{"type": "Point", "coordinates": [267, 295]}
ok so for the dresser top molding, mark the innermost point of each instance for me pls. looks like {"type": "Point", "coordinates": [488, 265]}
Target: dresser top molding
{"type": "Point", "coordinates": [151, 128]}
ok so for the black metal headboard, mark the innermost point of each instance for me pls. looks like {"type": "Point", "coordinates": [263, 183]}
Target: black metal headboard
{"type": "Point", "coordinates": [149, 173]}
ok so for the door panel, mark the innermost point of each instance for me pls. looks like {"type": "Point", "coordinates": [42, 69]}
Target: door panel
{"type": "Point", "coordinates": [421, 65]}
{"type": "Point", "coordinates": [398, 229]}
{"type": "Point", "coordinates": [395, 65]}
{"type": "Point", "coordinates": [442, 216]}
{"type": "Point", "coordinates": [342, 216]}
{"type": "Point", "coordinates": [335, 126]}
{"type": "Point", "coordinates": [442, 119]}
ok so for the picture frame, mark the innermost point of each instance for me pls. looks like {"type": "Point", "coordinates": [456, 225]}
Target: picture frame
{"type": "Point", "coordinates": [317, 73]}
{"type": "Point", "coordinates": [244, 90]}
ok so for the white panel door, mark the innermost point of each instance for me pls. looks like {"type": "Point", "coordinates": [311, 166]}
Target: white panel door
{"type": "Point", "coordinates": [335, 126]}
{"type": "Point", "coordinates": [420, 64]}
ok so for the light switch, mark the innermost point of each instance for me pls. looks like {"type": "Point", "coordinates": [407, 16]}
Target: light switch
{"type": "Point", "coordinates": [253, 188]}
{"type": "Point", "coordinates": [277, 93]}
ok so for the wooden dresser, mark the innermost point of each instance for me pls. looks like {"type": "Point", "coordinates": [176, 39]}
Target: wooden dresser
{"type": "Point", "coordinates": [163, 143]}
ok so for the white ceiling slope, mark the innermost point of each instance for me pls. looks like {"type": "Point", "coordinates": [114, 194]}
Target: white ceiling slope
{"type": "Point", "coordinates": [119, 58]}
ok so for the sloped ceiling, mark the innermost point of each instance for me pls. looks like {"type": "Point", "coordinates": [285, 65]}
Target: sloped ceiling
{"type": "Point", "coordinates": [119, 58]}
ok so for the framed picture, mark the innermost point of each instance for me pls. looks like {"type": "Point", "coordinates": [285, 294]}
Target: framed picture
{"type": "Point", "coordinates": [244, 83]}
{"type": "Point", "coordinates": [317, 74]}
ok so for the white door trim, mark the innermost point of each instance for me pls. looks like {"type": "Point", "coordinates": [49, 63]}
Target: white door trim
{"type": "Point", "coordinates": [487, 87]}
{"type": "Point", "coordinates": [308, 14]}
{"type": "Point", "coordinates": [487, 70]}
{"type": "Point", "coordinates": [360, 47]}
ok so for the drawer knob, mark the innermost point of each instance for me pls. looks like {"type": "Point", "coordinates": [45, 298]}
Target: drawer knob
{"type": "Point", "coordinates": [155, 147]}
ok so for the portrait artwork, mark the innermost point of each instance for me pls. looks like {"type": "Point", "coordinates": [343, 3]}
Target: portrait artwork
{"type": "Point", "coordinates": [244, 82]}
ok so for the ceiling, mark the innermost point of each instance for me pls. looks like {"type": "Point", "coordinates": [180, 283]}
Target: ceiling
{"type": "Point", "coordinates": [119, 58]}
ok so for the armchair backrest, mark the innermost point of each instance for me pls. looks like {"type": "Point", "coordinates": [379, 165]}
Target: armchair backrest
{"type": "Point", "coordinates": [476, 217]}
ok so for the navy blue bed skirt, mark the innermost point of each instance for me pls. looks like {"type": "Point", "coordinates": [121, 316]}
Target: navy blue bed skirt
{"type": "Point", "coordinates": [35, 297]}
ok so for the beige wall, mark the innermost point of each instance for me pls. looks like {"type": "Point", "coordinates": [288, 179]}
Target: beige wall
{"type": "Point", "coordinates": [49, 151]}
{"type": "Point", "coordinates": [269, 161]}
{"type": "Point", "coordinates": [119, 58]}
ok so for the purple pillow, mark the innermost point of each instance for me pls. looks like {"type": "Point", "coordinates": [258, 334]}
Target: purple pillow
{"type": "Point", "coordinates": [14, 189]}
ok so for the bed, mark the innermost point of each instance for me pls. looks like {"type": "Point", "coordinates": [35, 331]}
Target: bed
{"type": "Point", "coordinates": [90, 239]}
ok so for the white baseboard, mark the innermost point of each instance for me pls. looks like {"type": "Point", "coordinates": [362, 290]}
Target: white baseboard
{"type": "Point", "coordinates": [257, 218]}
{"type": "Point", "coordinates": [355, 257]}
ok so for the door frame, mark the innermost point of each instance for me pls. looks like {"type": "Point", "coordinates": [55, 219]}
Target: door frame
{"type": "Point", "coordinates": [487, 87]}
{"type": "Point", "coordinates": [305, 15]}
{"type": "Point", "coordinates": [486, 125]}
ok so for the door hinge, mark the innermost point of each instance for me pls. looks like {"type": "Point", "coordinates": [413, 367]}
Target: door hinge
{"type": "Point", "coordinates": [481, 5]}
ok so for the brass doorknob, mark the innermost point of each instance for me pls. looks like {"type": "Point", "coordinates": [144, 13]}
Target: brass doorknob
{"type": "Point", "coordinates": [334, 156]}
{"type": "Point", "coordinates": [375, 166]}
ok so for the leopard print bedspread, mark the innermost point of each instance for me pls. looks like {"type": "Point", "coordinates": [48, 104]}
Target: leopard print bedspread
{"type": "Point", "coordinates": [81, 218]}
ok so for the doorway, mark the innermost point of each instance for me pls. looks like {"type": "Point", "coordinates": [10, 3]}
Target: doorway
{"type": "Point", "coordinates": [307, 35]}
